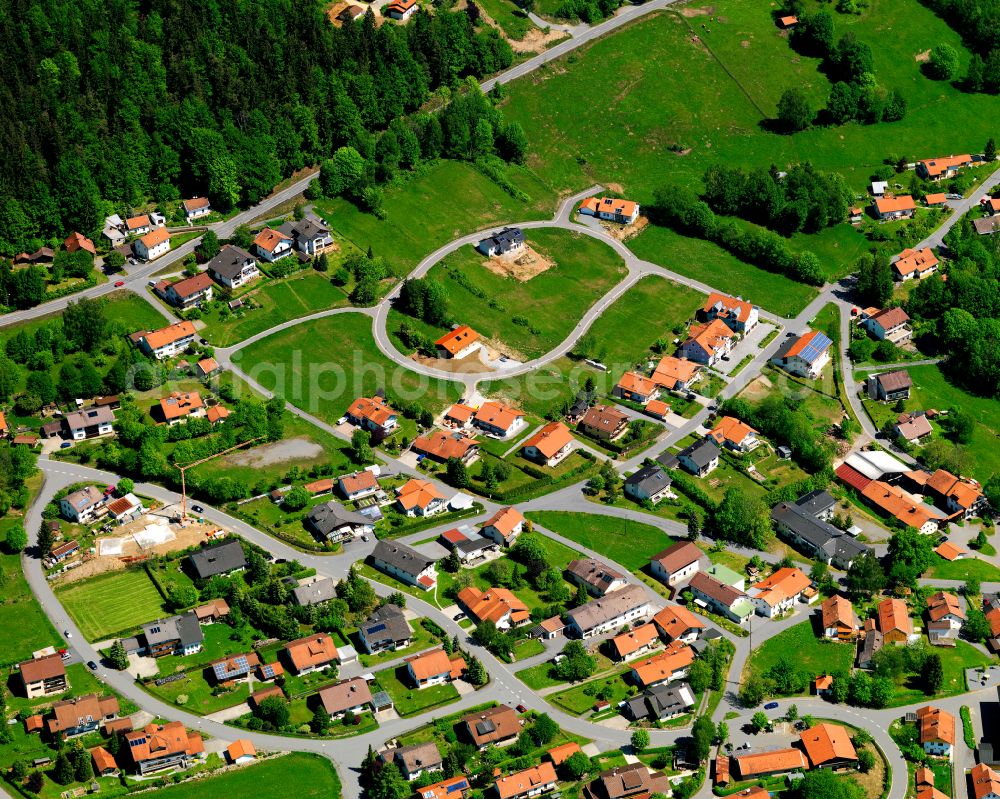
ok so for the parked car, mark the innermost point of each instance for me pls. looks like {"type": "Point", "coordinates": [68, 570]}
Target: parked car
{"type": "Point", "coordinates": [67, 633]}
{"type": "Point", "coordinates": [522, 709]}
{"type": "Point", "coordinates": [458, 617]}
{"type": "Point", "coordinates": [119, 284]}
{"type": "Point", "coordinates": [770, 706]}
{"type": "Point", "coordinates": [197, 508]}
{"type": "Point", "coordinates": [954, 197]}
{"type": "Point", "coordinates": [66, 445]}
{"type": "Point", "coordinates": [91, 665]}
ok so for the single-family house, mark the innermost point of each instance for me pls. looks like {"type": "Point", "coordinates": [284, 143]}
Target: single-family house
{"type": "Point", "coordinates": [635, 643]}
{"type": "Point", "coordinates": [648, 484]}
{"type": "Point", "coordinates": [320, 590]}
{"type": "Point", "coordinates": [312, 653]}
{"type": "Point", "coordinates": [678, 563]}
{"type": "Point", "coordinates": [179, 407]}
{"type": "Point", "coordinates": [611, 209]}
{"type": "Point", "coordinates": [937, 731]}
{"type": "Point", "coordinates": [212, 612]}
{"type": "Point", "coordinates": [347, 696]}
{"type": "Point", "coordinates": [720, 598]}
{"type": "Point", "coordinates": [508, 241]}
{"type": "Point", "coordinates": [240, 752]}
{"type": "Point", "coordinates": [498, 419]}
{"type": "Point", "coordinates": [454, 788]}
{"type": "Point", "coordinates": [890, 208]}
{"type": "Point", "coordinates": [699, 458]}
{"type": "Point", "coordinates": [498, 605]}
{"type": "Point", "coordinates": [806, 355]}
{"type": "Point", "coordinates": [677, 623]}
{"type": "Point", "coordinates": [636, 387]}
{"type": "Point", "coordinates": [779, 592]}
{"type": "Point", "coordinates": [838, 619]}
{"type": "Point", "coordinates": [415, 760]}
{"type": "Point", "coordinates": [770, 763]}
{"type": "Point", "coordinates": [104, 762]}
{"type": "Point", "coordinates": [385, 630]}
{"type": "Point", "coordinates": [234, 668]}
{"type": "Point", "coordinates": [401, 10]}
{"type": "Point", "coordinates": [308, 236]}
{"type": "Point", "coordinates": [894, 622]}
{"type": "Point", "coordinates": [177, 635]}
{"type": "Point", "coordinates": [81, 715]}
{"type": "Point", "coordinates": [225, 558]}
{"type": "Point", "coordinates": [634, 781]}
{"type": "Point", "coordinates": [494, 726]}
{"type": "Point", "coordinates": [991, 205]}
{"type": "Point", "coordinates": [459, 415]}
{"type": "Point", "coordinates": [189, 292]}
{"type": "Point", "coordinates": [373, 414]}
{"type": "Point", "coordinates": [125, 509]}
{"type": "Point", "coordinates": [675, 374]}
{"type": "Point", "coordinates": [889, 386]}
{"type": "Point", "coordinates": [740, 315]}
{"type": "Point", "coordinates": [912, 428]}
{"type": "Point", "coordinates": [942, 168]}
{"type": "Point", "coordinates": [469, 545]}
{"type": "Point", "coordinates": [661, 702]}
{"type": "Point", "coordinates": [708, 342]}
{"type": "Point", "coordinates": [137, 225]}
{"type": "Point", "coordinates": [404, 563]}
{"type": "Point", "coordinates": [945, 618]}
{"type": "Point", "coordinates": [167, 341]}
{"type": "Point", "coordinates": [598, 578]}
{"type": "Point", "coordinates": [828, 746]}
{"type": "Point", "coordinates": [77, 241]}
{"type": "Point", "coordinates": [604, 422]}
{"type": "Point", "coordinates": [419, 497]}
{"type": "Point", "coordinates": [957, 496]}
{"type": "Point", "coordinates": [985, 782]}
{"type": "Point", "coordinates": [913, 264]}
{"type": "Point", "coordinates": [89, 423]}
{"type": "Point", "coordinates": [734, 434]}
{"type": "Point", "coordinates": [890, 325]}
{"type": "Point", "coordinates": [153, 244]}
{"type": "Point", "coordinates": [459, 342]}
{"type": "Point", "coordinates": [527, 783]}
{"type": "Point", "coordinates": [233, 267]}
{"type": "Point", "coordinates": [272, 245]}
{"type": "Point", "coordinates": [504, 526]}
{"type": "Point", "coordinates": [609, 612]}
{"type": "Point", "coordinates": [83, 506]}
{"type": "Point", "coordinates": [936, 200]}
{"type": "Point", "coordinates": [550, 445]}
{"type": "Point", "coordinates": [158, 747]}
{"type": "Point", "coordinates": [443, 445]}
{"type": "Point", "coordinates": [196, 208]}
{"type": "Point", "coordinates": [334, 522]}
{"type": "Point", "coordinates": [43, 676]}
{"type": "Point", "coordinates": [433, 668]}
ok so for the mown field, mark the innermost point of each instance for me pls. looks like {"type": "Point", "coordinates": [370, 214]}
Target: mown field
{"type": "Point", "coordinates": [300, 775]}
{"type": "Point", "coordinates": [103, 606]}
{"type": "Point", "coordinates": [628, 543]}
{"type": "Point", "coordinates": [323, 365]}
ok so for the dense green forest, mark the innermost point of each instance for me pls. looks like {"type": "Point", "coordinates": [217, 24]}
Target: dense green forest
{"type": "Point", "coordinates": [108, 105]}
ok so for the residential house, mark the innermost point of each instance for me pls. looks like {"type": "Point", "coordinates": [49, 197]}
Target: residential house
{"type": "Point", "coordinates": [678, 563]}
{"type": "Point", "coordinates": [987, 225]}
{"type": "Point", "coordinates": [707, 343]}
{"type": "Point", "coordinates": [459, 415]}
{"type": "Point", "coordinates": [385, 630]}
{"type": "Point", "coordinates": [893, 501]}
{"type": "Point", "coordinates": [529, 782]}
{"type": "Point", "coordinates": [176, 635]}
{"type": "Point", "coordinates": [766, 764]}
{"type": "Point", "coordinates": [334, 522]}
{"type": "Point", "coordinates": [661, 702]}
{"type": "Point", "coordinates": [63, 551]}
{"type": "Point", "coordinates": [207, 367]}
{"type": "Point", "coordinates": [265, 693]}
{"type": "Point", "coordinates": [740, 315]}
{"type": "Point", "coordinates": [498, 605]}
{"type": "Point", "coordinates": [404, 563]}
{"type": "Point", "coordinates": [676, 374]}
{"type": "Point", "coordinates": [912, 428]}
{"type": "Point", "coordinates": [89, 423]}
{"type": "Point", "coordinates": [508, 241]}
{"type": "Point", "coordinates": [494, 726]}
{"type": "Point", "coordinates": [312, 653]}
{"type": "Point", "coordinates": [212, 612]}
{"type": "Point", "coordinates": [233, 267]}
{"type": "Point", "coordinates": [454, 788]}
{"type": "Point", "coordinates": [104, 762]}
{"type": "Point", "coordinates": [838, 619]}
{"type": "Point", "coordinates": [234, 668]}
{"type": "Point", "coordinates": [894, 621]}
{"type": "Point", "coordinates": [561, 753]}
{"type": "Point", "coordinates": [889, 386]}
{"type": "Point", "coordinates": [179, 407]}
{"type": "Point", "coordinates": [951, 551]}
{"type": "Point", "coordinates": [677, 623]}
{"type": "Point", "coordinates": [815, 536]}
{"type": "Point", "coordinates": [81, 715]}
{"type": "Point", "coordinates": [720, 598]}
{"type": "Point", "coordinates": [77, 241]}
{"type": "Point", "coordinates": [467, 543]}
{"type": "Point", "coordinates": [985, 782]}
{"type": "Point", "coordinates": [167, 341]}
{"type": "Point", "coordinates": [604, 614]}
{"type": "Point", "coordinates": [459, 342]}
{"type": "Point", "coordinates": [125, 509]}
{"type": "Point", "coordinates": [891, 208]}
{"type": "Point", "coordinates": [870, 644]}
{"type": "Point", "coordinates": [433, 668]}
{"type": "Point", "coordinates": [648, 484]}
{"type": "Point", "coordinates": [823, 685]}
{"type": "Point", "coordinates": [733, 434]}
{"type": "Point", "coordinates": [272, 245]}
{"type": "Point", "coordinates": [401, 10]}
{"type": "Point", "coordinates": [224, 558]}
{"type": "Point", "coordinates": [829, 746]}
{"type": "Point", "coordinates": [598, 578]}
{"type": "Point", "coordinates": [347, 696]}
{"type": "Point", "coordinates": [419, 497]}
{"type": "Point", "coordinates": [43, 676]}
{"type": "Point", "coordinates": [158, 747]}
{"type": "Point", "coordinates": [83, 506]}
{"type": "Point", "coordinates": [959, 497]}
{"type": "Point", "coordinates": [611, 209]}
{"type": "Point", "coordinates": [498, 419]}
{"type": "Point", "coordinates": [699, 458]}
{"type": "Point", "coordinates": [891, 325]}
{"type": "Point", "coordinates": [241, 752]}
{"type": "Point", "coordinates": [320, 590]}
{"type": "Point", "coordinates": [778, 593]}
{"type": "Point", "coordinates": [636, 387]}
{"type": "Point", "coordinates": [415, 760]}
{"type": "Point", "coordinates": [137, 225]}
{"type": "Point", "coordinates": [153, 244]}
{"type": "Point", "coordinates": [187, 293]}
{"type": "Point", "coordinates": [373, 414]}
{"type": "Point", "coordinates": [443, 445]}
{"type": "Point", "coordinates": [217, 414]}
{"type": "Point", "coordinates": [634, 781]}
{"type": "Point", "coordinates": [308, 236]}
{"type": "Point", "coordinates": [806, 355]}
{"type": "Point", "coordinates": [604, 422]}
{"type": "Point", "coordinates": [196, 208]}
{"type": "Point", "coordinates": [991, 205]}
{"type": "Point", "coordinates": [504, 526]}
{"type": "Point", "coordinates": [945, 618]}
{"type": "Point", "coordinates": [937, 731]}
{"type": "Point", "coordinates": [942, 168]}
{"type": "Point", "coordinates": [550, 445]}
{"type": "Point", "coordinates": [915, 264]}
{"type": "Point", "coordinates": [358, 485]}
{"type": "Point", "coordinates": [936, 200]}
{"type": "Point", "coordinates": [658, 409]}
{"type": "Point", "coordinates": [634, 643]}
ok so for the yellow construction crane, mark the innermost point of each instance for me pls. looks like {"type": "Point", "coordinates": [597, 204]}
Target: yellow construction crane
{"type": "Point", "coordinates": [183, 469]}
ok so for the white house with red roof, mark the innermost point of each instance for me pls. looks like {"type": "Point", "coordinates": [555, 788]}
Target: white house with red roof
{"type": "Point", "coordinates": [272, 245]}
{"type": "Point", "coordinates": [504, 526]}
{"type": "Point", "coordinates": [373, 414]}
{"type": "Point", "coordinates": [196, 208]}
{"type": "Point", "coordinates": [806, 355]}
{"type": "Point", "coordinates": [610, 209]}
{"type": "Point", "coordinates": [153, 244]}
{"type": "Point", "coordinates": [740, 315]}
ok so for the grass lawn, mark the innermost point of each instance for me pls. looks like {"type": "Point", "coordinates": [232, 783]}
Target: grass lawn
{"type": "Point", "coordinates": [301, 775]}
{"type": "Point", "coordinates": [20, 611]}
{"type": "Point", "coordinates": [449, 198]}
{"type": "Point", "coordinates": [653, 309]}
{"type": "Point", "coordinates": [670, 130]}
{"type": "Point", "coordinates": [581, 698]}
{"type": "Point", "coordinates": [528, 648]}
{"type": "Point", "coordinates": [199, 693]}
{"type": "Point", "coordinates": [97, 608]}
{"type": "Point", "coordinates": [628, 543]}
{"type": "Point", "coordinates": [707, 262]}
{"type": "Point", "coordinates": [955, 660]}
{"type": "Point", "coordinates": [810, 654]}
{"type": "Point", "coordinates": [412, 701]}
{"type": "Point", "coordinates": [549, 305]}
{"type": "Point", "coordinates": [539, 677]}
{"type": "Point", "coordinates": [323, 365]}
{"type": "Point", "coordinates": [548, 387]}
{"type": "Point", "coordinates": [123, 306]}
{"type": "Point", "coordinates": [962, 569]}
{"type": "Point", "coordinates": [301, 294]}
{"type": "Point", "coordinates": [509, 17]}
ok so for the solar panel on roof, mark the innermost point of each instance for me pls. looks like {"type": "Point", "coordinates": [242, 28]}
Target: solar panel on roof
{"type": "Point", "coordinates": [377, 628]}
{"type": "Point", "coordinates": [458, 786]}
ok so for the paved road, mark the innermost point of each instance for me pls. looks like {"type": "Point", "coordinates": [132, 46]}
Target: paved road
{"type": "Point", "coordinates": [960, 209]}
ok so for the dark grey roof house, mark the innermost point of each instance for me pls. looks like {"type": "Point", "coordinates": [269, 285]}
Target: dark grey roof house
{"type": "Point", "coordinates": [385, 629]}
{"type": "Point", "coordinates": [649, 483]}
{"type": "Point", "coordinates": [664, 701]}
{"type": "Point", "coordinates": [220, 559]}
{"type": "Point", "coordinates": [322, 590]}
{"type": "Point", "coordinates": [508, 240]}
{"type": "Point", "coordinates": [599, 578]}
{"type": "Point", "coordinates": [700, 457]}
{"type": "Point", "coordinates": [332, 520]}
{"type": "Point", "coordinates": [817, 537]}
{"type": "Point", "coordinates": [233, 266]}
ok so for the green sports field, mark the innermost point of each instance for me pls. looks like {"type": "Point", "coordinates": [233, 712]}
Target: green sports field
{"type": "Point", "coordinates": [103, 606]}
{"type": "Point", "coordinates": [300, 775]}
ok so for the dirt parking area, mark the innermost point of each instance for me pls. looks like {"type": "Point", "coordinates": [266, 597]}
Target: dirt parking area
{"type": "Point", "coordinates": [530, 263]}
{"type": "Point", "coordinates": [537, 41]}
{"type": "Point", "coordinates": [291, 449]}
